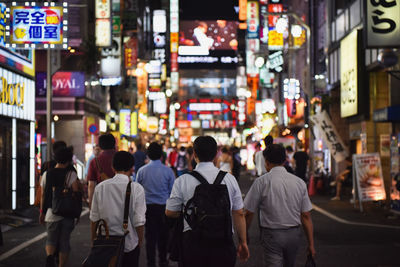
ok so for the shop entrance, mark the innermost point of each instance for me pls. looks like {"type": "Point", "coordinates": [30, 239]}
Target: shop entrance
{"type": "Point", "coordinates": [5, 163]}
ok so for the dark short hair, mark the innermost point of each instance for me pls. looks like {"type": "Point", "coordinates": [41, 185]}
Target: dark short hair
{"type": "Point", "coordinates": [268, 140]}
{"type": "Point", "coordinates": [123, 161]}
{"type": "Point", "coordinates": [63, 155]}
{"type": "Point", "coordinates": [289, 149]}
{"type": "Point", "coordinates": [154, 151]}
{"type": "Point", "coordinates": [205, 148]}
{"type": "Point", "coordinates": [58, 144]}
{"type": "Point", "coordinates": [182, 148]}
{"type": "Point", "coordinates": [106, 141]}
{"type": "Point", "coordinates": [275, 154]}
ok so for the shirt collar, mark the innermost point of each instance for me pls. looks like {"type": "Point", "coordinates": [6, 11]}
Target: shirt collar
{"type": "Point", "coordinates": [157, 161]}
{"type": "Point", "coordinates": [120, 176]}
{"type": "Point", "coordinates": [205, 165]}
{"type": "Point", "coordinates": [278, 168]}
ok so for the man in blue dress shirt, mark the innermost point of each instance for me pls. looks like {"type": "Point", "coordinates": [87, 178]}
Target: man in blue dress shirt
{"type": "Point", "coordinates": [157, 181]}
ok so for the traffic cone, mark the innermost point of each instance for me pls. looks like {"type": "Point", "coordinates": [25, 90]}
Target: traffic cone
{"type": "Point", "coordinates": [311, 186]}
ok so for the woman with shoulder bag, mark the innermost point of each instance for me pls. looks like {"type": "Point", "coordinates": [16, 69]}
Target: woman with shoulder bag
{"type": "Point", "coordinates": [62, 178]}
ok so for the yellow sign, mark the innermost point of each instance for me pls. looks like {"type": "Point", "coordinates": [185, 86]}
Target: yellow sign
{"type": "Point", "coordinates": [299, 41]}
{"type": "Point", "coordinates": [12, 94]}
{"type": "Point", "coordinates": [349, 75]}
{"type": "Point", "coordinates": [275, 39]}
{"type": "Point", "coordinates": [134, 124]}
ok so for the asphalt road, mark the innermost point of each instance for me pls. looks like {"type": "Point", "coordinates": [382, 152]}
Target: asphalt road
{"type": "Point", "coordinates": [337, 244]}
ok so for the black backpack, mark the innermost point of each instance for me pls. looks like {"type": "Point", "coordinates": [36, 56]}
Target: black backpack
{"type": "Point", "coordinates": [208, 212]}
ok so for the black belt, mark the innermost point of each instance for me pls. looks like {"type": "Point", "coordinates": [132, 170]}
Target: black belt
{"type": "Point", "coordinates": [285, 228]}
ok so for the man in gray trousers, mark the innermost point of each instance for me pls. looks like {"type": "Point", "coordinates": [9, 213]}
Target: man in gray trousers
{"type": "Point", "coordinates": [284, 205]}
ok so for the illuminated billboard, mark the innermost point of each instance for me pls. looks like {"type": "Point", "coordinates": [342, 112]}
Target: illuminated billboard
{"type": "Point", "coordinates": [199, 37]}
{"type": "Point", "coordinates": [208, 43]}
{"type": "Point", "coordinates": [206, 87]}
{"type": "Point", "coordinates": [38, 26]}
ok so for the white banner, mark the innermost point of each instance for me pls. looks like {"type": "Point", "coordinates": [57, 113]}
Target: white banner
{"type": "Point", "coordinates": [329, 134]}
{"type": "Point", "coordinates": [369, 178]}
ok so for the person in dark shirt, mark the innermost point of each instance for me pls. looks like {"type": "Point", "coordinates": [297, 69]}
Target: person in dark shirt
{"type": "Point", "coordinates": [101, 164]}
{"type": "Point", "coordinates": [301, 159]}
{"type": "Point", "coordinates": [140, 157]}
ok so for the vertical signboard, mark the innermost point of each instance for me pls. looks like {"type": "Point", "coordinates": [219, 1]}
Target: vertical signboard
{"type": "Point", "coordinates": [330, 135]}
{"type": "Point", "coordinates": [382, 23]}
{"type": "Point", "coordinates": [103, 23]}
{"type": "Point", "coordinates": [3, 20]}
{"type": "Point", "coordinates": [125, 122]}
{"type": "Point", "coordinates": [174, 39]}
{"type": "Point", "coordinates": [349, 75]}
{"type": "Point", "coordinates": [242, 9]}
{"type": "Point", "coordinates": [253, 20]}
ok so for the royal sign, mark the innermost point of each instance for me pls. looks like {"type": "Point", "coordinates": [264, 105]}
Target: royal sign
{"type": "Point", "coordinates": [39, 26]}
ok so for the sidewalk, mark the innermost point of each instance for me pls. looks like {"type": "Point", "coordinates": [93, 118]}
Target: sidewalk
{"type": "Point", "coordinates": [373, 212]}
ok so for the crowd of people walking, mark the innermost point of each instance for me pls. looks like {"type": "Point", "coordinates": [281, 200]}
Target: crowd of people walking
{"type": "Point", "coordinates": [185, 204]}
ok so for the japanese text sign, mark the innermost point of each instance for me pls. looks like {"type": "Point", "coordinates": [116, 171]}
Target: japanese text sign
{"type": "Point", "coordinates": [383, 23]}
{"type": "Point", "coordinates": [38, 25]}
{"type": "Point", "coordinates": [3, 19]}
{"type": "Point", "coordinates": [349, 75]}
{"type": "Point", "coordinates": [253, 20]}
{"type": "Point", "coordinates": [330, 135]}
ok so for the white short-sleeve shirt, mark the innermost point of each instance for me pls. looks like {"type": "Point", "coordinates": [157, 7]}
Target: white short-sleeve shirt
{"type": "Point", "coordinates": [281, 198]}
{"type": "Point", "coordinates": [108, 204]}
{"type": "Point", "coordinates": [185, 185]}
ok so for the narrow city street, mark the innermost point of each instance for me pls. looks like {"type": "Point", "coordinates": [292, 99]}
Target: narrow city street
{"type": "Point", "coordinates": [337, 243]}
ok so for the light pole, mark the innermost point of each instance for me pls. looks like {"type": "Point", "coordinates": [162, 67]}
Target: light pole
{"type": "Point", "coordinates": [309, 89]}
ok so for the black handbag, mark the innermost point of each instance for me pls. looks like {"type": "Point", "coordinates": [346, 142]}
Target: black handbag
{"type": "Point", "coordinates": [107, 250]}
{"type": "Point", "coordinates": [310, 262]}
{"type": "Point", "coordinates": [65, 202]}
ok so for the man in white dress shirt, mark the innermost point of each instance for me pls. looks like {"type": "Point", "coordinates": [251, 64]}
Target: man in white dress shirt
{"type": "Point", "coordinates": [259, 158]}
{"type": "Point", "coordinates": [108, 204]}
{"type": "Point", "coordinates": [284, 205]}
{"type": "Point", "coordinates": [201, 253]}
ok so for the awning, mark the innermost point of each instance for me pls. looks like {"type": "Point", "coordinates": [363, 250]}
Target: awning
{"type": "Point", "coordinates": [388, 114]}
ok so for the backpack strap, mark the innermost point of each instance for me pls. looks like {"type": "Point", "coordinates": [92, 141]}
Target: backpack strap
{"type": "Point", "coordinates": [220, 177]}
{"type": "Point", "coordinates": [126, 207]}
{"type": "Point", "coordinates": [199, 177]}
{"type": "Point", "coordinates": [98, 165]}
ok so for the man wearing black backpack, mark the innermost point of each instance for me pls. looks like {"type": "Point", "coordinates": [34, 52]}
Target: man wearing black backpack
{"type": "Point", "coordinates": [212, 200]}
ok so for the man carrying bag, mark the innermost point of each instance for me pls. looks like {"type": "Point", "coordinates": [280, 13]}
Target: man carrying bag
{"type": "Point", "coordinates": [111, 198]}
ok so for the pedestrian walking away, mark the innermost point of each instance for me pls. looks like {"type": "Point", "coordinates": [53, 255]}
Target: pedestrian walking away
{"type": "Point", "coordinates": [259, 158]}
{"type": "Point", "coordinates": [301, 160]}
{"type": "Point", "coordinates": [284, 205]}
{"type": "Point", "coordinates": [199, 247]}
{"type": "Point", "coordinates": [157, 181]}
{"type": "Point", "coordinates": [182, 162]}
{"type": "Point", "coordinates": [100, 168]}
{"type": "Point", "coordinates": [108, 204]}
{"type": "Point", "coordinates": [58, 228]}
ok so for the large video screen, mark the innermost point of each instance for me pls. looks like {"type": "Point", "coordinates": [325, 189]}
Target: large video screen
{"type": "Point", "coordinates": [199, 37]}
{"type": "Point", "coordinates": [209, 87]}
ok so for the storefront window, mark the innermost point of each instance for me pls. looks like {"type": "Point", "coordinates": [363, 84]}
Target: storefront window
{"type": "Point", "coordinates": [5, 163]}
{"type": "Point", "coordinates": [355, 11]}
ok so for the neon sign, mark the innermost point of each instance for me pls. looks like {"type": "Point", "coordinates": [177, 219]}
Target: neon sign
{"type": "Point", "coordinates": [43, 26]}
